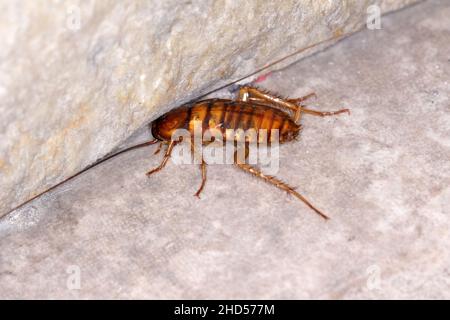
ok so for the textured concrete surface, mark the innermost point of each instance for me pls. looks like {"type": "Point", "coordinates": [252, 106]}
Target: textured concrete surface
{"type": "Point", "coordinates": [77, 78]}
{"type": "Point", "coordinates": [382, 174]}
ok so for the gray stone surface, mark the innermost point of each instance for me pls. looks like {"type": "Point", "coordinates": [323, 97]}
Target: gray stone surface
{"type": "Point", "coordinates": [382, 174]}
{"type": "Point", "coordinates": [77, 78]}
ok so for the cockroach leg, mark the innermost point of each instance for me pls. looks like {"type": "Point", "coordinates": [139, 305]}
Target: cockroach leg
{"type": "Point", "coordinates": [297, 101]}
{"type": "Point", "coordinates": [166, 157]}
{"type": "Point", "coordinates": [323, 113]}
{"type": "Point", "coordinates": [279, 184]}
{"type": "Point", "coordinates": [252, 94]}
{"type": "Point", "coordinates": [196, 153]}
{"type": "Point", "coordinates": [203, 168]}
{"type": "Point", "coordinates": [249, 93]}
{"type": "Point", "coordinates": [159, 148]}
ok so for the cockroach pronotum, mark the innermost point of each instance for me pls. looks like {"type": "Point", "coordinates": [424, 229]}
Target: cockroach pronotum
{"type": "Point", "coordinates": [253, 109]}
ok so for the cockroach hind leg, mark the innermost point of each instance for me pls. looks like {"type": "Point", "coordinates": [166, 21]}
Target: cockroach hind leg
{"type": "Point", "coordinates": [279, 184]}
{"type": "Point", "coordinates": [248, 93]}
{"type": "Point", "coordinates": [298, 101]}
{"type": "Point", "coordinates": [164, 160]}
{"type": "Point", "coordinates": [159, 148]}
{"type": "Point", "coordinates": [324, 113]}
{"type": "Point", "coordinates": [304, 98]}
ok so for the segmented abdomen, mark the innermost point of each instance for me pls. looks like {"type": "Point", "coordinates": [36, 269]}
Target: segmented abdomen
{"type": "Point", "coordinates": [225, 114]}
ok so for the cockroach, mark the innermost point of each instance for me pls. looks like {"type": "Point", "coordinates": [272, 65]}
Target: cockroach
{"type": "Point", "coordinates": [253, 109]}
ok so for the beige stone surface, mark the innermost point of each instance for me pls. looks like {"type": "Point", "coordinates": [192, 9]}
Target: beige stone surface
{"type": "Point", "coordinates": [77, 78]}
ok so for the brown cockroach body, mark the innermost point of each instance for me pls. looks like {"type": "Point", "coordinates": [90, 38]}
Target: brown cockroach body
{"type": "Point", "coordinates": [253, 109]}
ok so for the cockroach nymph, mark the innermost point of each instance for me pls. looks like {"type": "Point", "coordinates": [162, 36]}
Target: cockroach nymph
{"type": "Point", "coordinates": [253, 109]}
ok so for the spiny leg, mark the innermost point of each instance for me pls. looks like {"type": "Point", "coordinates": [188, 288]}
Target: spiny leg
{"type": "Point", "coordinates": [166, 157]}
{"type": "Point", "coordinates": [203, 168]}
{"type": "Point", "coordinates": [297, 101]}
{"type": "Point", "coordinates": [247, 93]}
{"type": "Point", "coordinates": [252, 94]}
{"type": "Point", "coordinates": [323, 113]}
{"type": "Point", "coordinates": [279, 184]}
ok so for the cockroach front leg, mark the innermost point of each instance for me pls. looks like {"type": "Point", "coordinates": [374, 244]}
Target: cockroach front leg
{"type": "Point", "coordinates": [279, 184]}
{"type": "Point", "coordinates": [165, 159]}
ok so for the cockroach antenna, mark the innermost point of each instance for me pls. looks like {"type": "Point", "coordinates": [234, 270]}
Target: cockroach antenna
{"type": "Point", "coordinates": [102, 160]}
